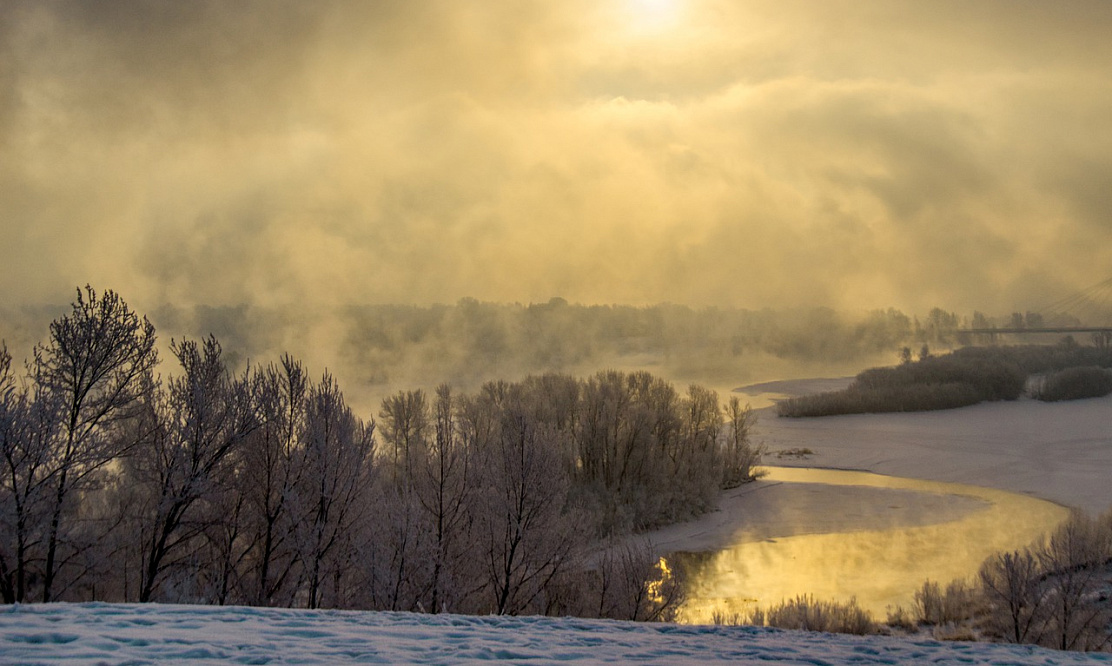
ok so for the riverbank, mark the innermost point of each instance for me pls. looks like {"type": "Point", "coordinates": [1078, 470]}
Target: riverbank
{"type": "Point", "coordinates": [792, 534]}
{"type": "Point", "coordinates": [1061, 452]}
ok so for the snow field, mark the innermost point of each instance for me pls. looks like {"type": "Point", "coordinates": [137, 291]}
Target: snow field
{"type": "Point", "coordinates": [174, 634]}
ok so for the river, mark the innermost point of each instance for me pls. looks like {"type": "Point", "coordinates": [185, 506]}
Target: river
{"type": "Point", "coordinates": [874, 545]}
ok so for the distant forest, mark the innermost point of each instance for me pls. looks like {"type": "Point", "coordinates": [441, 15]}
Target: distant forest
{"type": "Point", "coordinates": [376, 349]}
{"type": "Point", "coordinates": [386, 347]}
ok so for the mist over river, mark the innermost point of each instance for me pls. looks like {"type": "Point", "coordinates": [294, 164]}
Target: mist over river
{"type": "Point", "coordinates": [845, 534]}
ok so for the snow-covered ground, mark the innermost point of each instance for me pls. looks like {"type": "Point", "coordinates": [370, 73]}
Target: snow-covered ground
{"type": "Point", "coordinates": [158, 634]}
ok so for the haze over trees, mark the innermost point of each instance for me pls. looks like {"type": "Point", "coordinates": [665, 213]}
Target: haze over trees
{"type": "Point", "coordinates": [376, 348]}
{"type": "Point", "coordinates": [381, 347]}
{"type": "Point", "coordinates": [262, 486]}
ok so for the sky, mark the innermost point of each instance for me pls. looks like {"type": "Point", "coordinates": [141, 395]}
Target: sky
{"type": "Point", "coordinates": [743, 153]}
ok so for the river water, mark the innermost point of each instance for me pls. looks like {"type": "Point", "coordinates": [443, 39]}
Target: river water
{"type": "Point", "coordinates": [878, 563]}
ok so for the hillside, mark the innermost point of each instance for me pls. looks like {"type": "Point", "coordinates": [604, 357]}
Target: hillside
{"type": "Point", "coordinates": [148, 634]}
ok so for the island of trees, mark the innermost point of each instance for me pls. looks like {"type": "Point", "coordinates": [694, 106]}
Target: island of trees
{"type": "Point", "coordinates": [967, 376]}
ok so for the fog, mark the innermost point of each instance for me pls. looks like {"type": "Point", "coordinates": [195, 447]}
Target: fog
{"type": "Point", "coordinates": [879, 561]}
{"type": "Point", "coordinates": [855, 155]}
{"type": "Point", "coordinates": [377, 350]}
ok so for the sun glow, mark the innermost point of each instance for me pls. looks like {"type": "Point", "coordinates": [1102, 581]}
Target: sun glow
{"type": "Point", "coordinates": [652, 14]}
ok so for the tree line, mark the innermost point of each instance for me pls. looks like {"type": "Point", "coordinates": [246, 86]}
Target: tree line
{"type": "Point", "coordinates": [262, 487]}
{"type": "Point", "coordinates": [470, 342]}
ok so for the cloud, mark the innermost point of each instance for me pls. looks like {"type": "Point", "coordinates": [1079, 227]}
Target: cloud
{"type": "Point", "coordinates": [752, 154]}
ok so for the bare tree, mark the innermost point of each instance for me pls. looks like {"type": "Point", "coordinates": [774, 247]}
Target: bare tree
{"type": "Point", "coordinates": [336, 457]}
{"type": "Point", "coordinates": [1071, 559]}
{"type": "Point", "coordinates": [527, 538]}
{"type": "Point", "coordinates": [402, 553]}
{"type": "Point", "coordinates": [12, 419]}
{"type": "Point", "coordinates": [740, 455]}
{"type": "Point", "coordinates": [444, 489]}
{"type": "Point", "coordinates": [226, 543]}
{"type": "Point", "coordinates": [270, 472]}
{"type": "Point", "coordinates": [396, 555]}
{"type": "Point", "coordinates": [93, 366]}
{"type": "Point", "coordinates": [633, 584]}
{"type": "Point", "coordinates": [1055, 593]}
{"type": "Point", "coordinates": [405, 421]}
{"type": "Point", "coordinates": [1012, 587]}
{"type": "Point", "coordinates": [27, 429]}
{"type": "Point", "coordinates": [627, 436]}
{"type": "Point", "coordinates": [699, 468]}
{"type": "Point", "coordinates": [204, 416]}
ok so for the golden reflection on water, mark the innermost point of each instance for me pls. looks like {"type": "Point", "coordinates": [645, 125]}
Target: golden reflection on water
{"type": "Point", "coordinates": [881, 568]}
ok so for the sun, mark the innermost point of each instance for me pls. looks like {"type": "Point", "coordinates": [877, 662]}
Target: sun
{"type": "Point", "coordinates": [652, 14]}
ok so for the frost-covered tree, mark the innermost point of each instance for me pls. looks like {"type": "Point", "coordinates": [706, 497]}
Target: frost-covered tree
{"type": "Point", "coordinates": [336, 463]}
{"type": "Point", "coordinates": [92, 368]}
{"type": "Point", "coordinates": [739, 455]}
{"type": "Point", "coordinates": [270, 472]}
{"type": "Point", "coordinates": [1072, 559]}
{"type": "Point", "coordinates": [27, 434]}
{"type": "Point", "coordinates": [699, 465]}
{"type": "Point", "coordinates": [525, 532]}
{"type": "Point", "coordinates": [1053, 594]}
{"type": "Point", "coordinates": [629, 582]}
{"type": "Point", "coordinates": [405, 422]}
{"type": "Point", "coordinates": [399, 558]}
{"type": "Point", "coordinates": [1011, 584]}
{"type": "Point", "coordinates": [644, 454]}
{"type": "Point", "coordinates": [446, 482]}
{"type": "Point", "coordinates": [183, 464]}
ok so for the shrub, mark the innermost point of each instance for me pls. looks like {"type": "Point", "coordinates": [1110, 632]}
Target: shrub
{"type": "Point", "coordinates": [807, 614]}
{"type": "Point", "coordinates": [962, 632]}
{"type": "Point", "coordinates": [901, 618]}
{"type": "Point", "coordinates": [1075, 383]}
{"type": "Point", "coordinates": [727, 619]}
{"type": "Point", "coordinates": [895, 399]}
{"type": "Point", "coordinates": [936, 607]}
{"type": "Point", "coordinates": [935, 382]}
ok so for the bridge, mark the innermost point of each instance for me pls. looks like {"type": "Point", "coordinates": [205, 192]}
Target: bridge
{"type": "Point", "coordinates": [1044, 329]}
{"type": "Point", "coordinates": [1100, 335]}
{"type": "Point", "coordinates": [1064, 317]}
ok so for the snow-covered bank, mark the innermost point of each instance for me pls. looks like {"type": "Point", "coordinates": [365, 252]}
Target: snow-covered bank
{"type": "Point", "coordinates": [1060, 452]}
{"type": "Point", "coordinates": [157, 634]}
